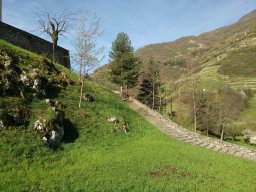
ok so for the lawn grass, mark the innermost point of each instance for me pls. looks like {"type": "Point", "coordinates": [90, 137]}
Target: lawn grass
{"type": "Point", "coordinates": [96, 155]}
{"type": "Point", "coordinates": [143, 160]}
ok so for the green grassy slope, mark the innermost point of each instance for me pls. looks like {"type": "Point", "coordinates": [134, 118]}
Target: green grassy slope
{"type": "Point", "coordinates": [97, 156]}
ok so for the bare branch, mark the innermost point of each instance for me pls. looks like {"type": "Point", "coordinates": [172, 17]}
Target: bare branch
{"type": "Point", "coordinates": [53, 25]}
{"type": "Point", "coordinates": [86, 54]}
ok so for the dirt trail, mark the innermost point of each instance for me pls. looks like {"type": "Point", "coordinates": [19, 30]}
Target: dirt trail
{"type": "Point", "coordinates": [174, 130]}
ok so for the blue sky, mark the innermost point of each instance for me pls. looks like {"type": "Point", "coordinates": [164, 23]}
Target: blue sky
{"type": "Point", "coordinates": [145, 21]}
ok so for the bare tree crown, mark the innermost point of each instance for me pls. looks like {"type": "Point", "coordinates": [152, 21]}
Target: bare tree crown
{"type": "Point", "coordinates": [52, 24]}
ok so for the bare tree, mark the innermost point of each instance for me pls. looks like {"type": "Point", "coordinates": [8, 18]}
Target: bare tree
{"type": "Point", "coordinates": [217, 111]}
{"type": "Point", "coordinates": [86, 54]}
{"type": "Point", "coordinates": [53, 25]}
{"type": "Point", "coordinates": [229, 104]}
{"type": "Point", "coordinates": [193, 80]}
{"type": "Point", "coordinates": [154, 76]}
{"type": "Point", "coordinates": [206, 111]}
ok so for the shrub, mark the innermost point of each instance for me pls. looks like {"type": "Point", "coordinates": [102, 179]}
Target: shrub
{"type": "Point", "coordinates": [234, 130]}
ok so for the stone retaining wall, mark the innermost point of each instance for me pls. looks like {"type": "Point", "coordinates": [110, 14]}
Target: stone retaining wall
{"type": "Point", "coordinates": [33, 43]}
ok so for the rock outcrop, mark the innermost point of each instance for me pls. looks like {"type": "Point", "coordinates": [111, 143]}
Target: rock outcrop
{"type": "Point", "coordinates": [249, 136]}
{"type": "Point", "coordinates": [22, 82]}
{"type": "Point", "coordinates": [51, 129]}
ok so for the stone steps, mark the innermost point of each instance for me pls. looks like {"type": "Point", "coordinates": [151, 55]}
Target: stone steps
{"type": "Point", "coordinates": [182, 134]}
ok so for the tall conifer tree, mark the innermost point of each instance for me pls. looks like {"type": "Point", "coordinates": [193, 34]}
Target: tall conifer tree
{"type": "Point", "coordinates": [150, 87]}
{"type": "Point", "coordinates": [124, 66]}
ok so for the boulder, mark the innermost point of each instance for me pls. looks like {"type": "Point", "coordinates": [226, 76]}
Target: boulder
{"type": "Point", "coordinates": [54, 137]}
{"type": "Point", "coordinates": [5, 59]}
{"type": "Point", "coordinates": [40, 126]}
{"type": "Point", "coordinates": [36, 84]}
{"type": "Point", "coordinates": [39, 86]}
{"type": "Point", "coordinates": [9, 84]}
{"type": "Point", "coordinates": [51, 130]}
{"type": "Point", "coordinates": [34, 74]}
{"type": "Point", "coordinates": [125, 128]}
{"type": "Point", "coordinates": [56, 105]}
{"type": "Point", "coordinates": [25, 79]}
{"type": "Point", "coordinates": [9, 80]}
{"type": "Point", "coordinates": [112, 120]}
{"type": "Point", "coordinates": [89, 98]}
{"type": "Point", "coordinates": [249, 136]}
{"type": "Point", "coordinates": [7, 63]}
{"type": "Point", "coordinates": [253, 140]}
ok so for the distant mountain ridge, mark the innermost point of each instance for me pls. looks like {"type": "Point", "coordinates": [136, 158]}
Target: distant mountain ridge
{"type": "Point", "coordinates": [196, 48]}
{"type": "Point", "coordinates": [207, 49]}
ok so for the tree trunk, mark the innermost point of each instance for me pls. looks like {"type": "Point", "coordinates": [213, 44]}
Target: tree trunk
{"type": "Point", "coordinates": [80, 75]}
{"type": "Point", "coordinates": [171, 108]}
{"type": "Point", "coordinates": [153, 91]}
{"type": "Point", "coordinates": [179, 110]}
{"type": "Point", "coordinates": [54, 45]}
{"type": "Point", "coordinates": [160, 103]}
{"type": "Point", "coordinates": [160, 98]}
{"type": "Point", "coordinates": [194, 96]}
{"type": "Point", "coordinates": [126, 90]}
{"type": "Point", "coordinates": [80, 69]}
{"type": "Point", "coordinates": [165, 97]}
{"type": "Point", "coordinates": [81, 93]}
{"type": "Point", "coordinates": [53, 52]}
{"type": "Point", "coordinates": [194, 108]}
{"type": "Point", "coordinates": [222, 132]}
{"type": "Point", "coordinates": [121, 91]}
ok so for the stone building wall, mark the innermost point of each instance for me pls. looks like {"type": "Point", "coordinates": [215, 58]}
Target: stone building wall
{"type": "Point", "coordinates": [33, 43]}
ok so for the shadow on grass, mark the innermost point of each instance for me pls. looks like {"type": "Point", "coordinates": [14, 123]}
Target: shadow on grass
{"type": "Point", "coordinates": [52, 91]}
{"type": "Point", "coordinates": [70, 132]}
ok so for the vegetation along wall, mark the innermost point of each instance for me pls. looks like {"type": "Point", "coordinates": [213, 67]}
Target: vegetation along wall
{"type": "Point", "coordinates": [33, 43]}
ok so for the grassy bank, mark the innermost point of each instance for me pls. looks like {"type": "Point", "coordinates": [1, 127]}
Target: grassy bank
{"type": "Point", "coordinates": [96, 155]}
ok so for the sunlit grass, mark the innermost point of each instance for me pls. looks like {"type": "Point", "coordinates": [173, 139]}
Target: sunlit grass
{"type": "Point", "coordinates": [97, 156]}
